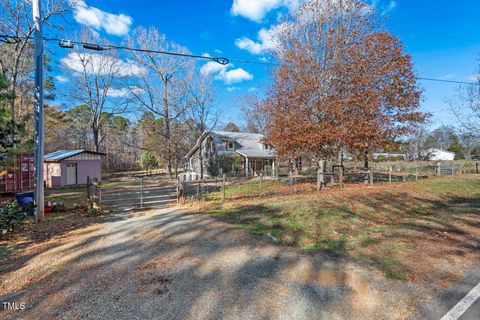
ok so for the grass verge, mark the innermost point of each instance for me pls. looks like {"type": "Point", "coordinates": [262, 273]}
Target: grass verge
{"type": "Point", "coordinates": [405, 230]}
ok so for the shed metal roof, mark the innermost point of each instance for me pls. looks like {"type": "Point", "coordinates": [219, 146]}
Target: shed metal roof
{"type": "Point", "coordinates": [60, 155]}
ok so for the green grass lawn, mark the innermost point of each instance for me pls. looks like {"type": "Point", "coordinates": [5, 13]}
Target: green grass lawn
{"type": "Point", "coordinates": [387, 227]}
{"type": "Point", "coordinates": [71, 197]}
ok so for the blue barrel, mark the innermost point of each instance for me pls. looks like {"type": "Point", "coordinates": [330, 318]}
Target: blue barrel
{"type": "Point", "coordinates": [25, 200]}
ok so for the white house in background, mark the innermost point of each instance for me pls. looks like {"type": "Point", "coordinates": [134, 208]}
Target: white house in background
{"type": "Point", "coordinates": [231, 152]}
{"type": "Point", "coordinates": [434, 154]}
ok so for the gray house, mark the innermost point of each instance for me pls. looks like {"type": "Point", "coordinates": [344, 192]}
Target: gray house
{"type": "Point", "coordinates": [223, 152]}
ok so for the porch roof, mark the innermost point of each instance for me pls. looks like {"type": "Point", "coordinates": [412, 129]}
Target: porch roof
{"type": "Point", "coordinates": [259, 154]}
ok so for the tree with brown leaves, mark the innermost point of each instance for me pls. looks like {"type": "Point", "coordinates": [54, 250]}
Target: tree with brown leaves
{"type": "Point", "coordinates": [342, 83]}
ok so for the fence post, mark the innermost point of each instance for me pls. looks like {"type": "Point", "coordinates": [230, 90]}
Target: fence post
{"type": "Point", "coordinates": [99, 195]}
{"type": "Point", "coordinates": [390, 174]}
{"type": "Point", "coordinates": [453, 168]}
{"type": "Point", "coordinates": [439, 169]}
{"type": "Point", "coordinates": [89, 199]}
{"type": "Point", "coordinates": [416, 173]}
{"type": "Point", "coordinates": [198, 190]}
{"type": "Point", "coordinates": [476, 167]}
{"type": "Point", "coordinates": [370, 173]}
{"type": "Point", "coordinates": [320, 182]}
{"type": "Point", "coordinates": [223, 189]}
{"type": "Point", "coordinates": [340, 178]}
{"type": "Point", "coordinates": [178, 191]}
{"type": "Point", "coordinates": [261, 182]}
{"type": "Point", "coordinates": [290, 177]}
{"type": "Point", "coordinates": [141, 192]}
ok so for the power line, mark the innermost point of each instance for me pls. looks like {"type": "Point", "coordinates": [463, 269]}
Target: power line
{"type": "Point", "coordinates": [221, 60]}
{"type": "Point", "coordinates": [449, 81]}
{"type": "Point", "coordinates": [439, 34]}
{"type": "Point", "coordinates": [452, 13]}
{"type": "Point", "coordinates": [94, 46]}
{"type": "Point", "coordinates": [102, 47]}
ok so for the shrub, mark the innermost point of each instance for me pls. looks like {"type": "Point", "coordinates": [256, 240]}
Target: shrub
{"type": "Point", "coordinates": [213, 168]}
{"type": "Point", "coordinates": [11, 214]}
{"type": "Point", "coordinates": [148, 161]}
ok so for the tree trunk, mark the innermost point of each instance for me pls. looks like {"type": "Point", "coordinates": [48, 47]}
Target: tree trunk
{"type": "Point", "coordinates": [167, 127]}
{"type": "Point", "coordinates": [366, 158]}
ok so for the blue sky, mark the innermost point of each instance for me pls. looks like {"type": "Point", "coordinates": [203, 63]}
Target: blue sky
{"type": "Point", "coordinates": [442, 37]}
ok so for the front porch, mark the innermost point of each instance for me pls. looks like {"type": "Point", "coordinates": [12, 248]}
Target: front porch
{"type": "Point", "coordinates": [256, 166]}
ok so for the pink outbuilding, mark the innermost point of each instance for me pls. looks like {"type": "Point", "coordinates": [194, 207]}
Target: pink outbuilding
{"type": "Point", "coordinates": [71, 167]}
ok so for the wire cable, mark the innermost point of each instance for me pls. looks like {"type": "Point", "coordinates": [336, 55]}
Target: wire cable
{"type": "Point", "coordinates": [220, 60]}
{"type": "Point", "coordinates": [93, 46]}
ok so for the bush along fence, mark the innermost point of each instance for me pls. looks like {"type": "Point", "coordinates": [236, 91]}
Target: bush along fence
{"type": "Point", "coordinates": [130, 194]}
{"type": "Point", "coordinates": [232, 187]}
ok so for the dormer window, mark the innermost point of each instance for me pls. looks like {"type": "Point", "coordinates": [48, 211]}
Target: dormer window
{"type": "Point", "coordinates": [266, 146]}
{"type": "Point", "coordinates": [230, 145]}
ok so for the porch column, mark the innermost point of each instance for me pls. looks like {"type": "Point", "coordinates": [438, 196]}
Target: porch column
{"type": "Point", "coordinates": [273, 168]}
{"type": "Point", "coordinates": [246, 167]}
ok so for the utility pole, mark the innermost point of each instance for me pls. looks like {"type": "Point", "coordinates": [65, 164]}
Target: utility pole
{"type": "Point", "coordinates": [38, 112]}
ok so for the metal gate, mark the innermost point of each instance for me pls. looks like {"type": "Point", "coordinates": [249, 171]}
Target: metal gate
{"type": "Point", "coordinates": [133, 194]}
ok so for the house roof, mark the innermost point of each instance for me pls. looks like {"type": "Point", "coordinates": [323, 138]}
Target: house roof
{"type": "Point", "coordinates": [246, 144]}
{"type": "Point", "coordinates": [60, 155]}
{"type": "Point", "coordinates": [267, 154]}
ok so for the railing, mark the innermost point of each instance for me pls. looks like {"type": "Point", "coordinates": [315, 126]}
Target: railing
{"type": "Point", "coordinates": [130, 194]}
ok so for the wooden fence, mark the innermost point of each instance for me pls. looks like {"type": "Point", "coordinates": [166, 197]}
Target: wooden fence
{"type": "Point", "coordinates": [232, 188]}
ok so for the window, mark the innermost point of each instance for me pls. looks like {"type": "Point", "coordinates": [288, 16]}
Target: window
{"type": "Point", "coordinates": [266, 146]}
{"type": "Point", "coordinates": [230, 145]}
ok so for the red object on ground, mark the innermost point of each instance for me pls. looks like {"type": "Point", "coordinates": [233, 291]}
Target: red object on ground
{"type": "Point", "coordinates": [48, 207]}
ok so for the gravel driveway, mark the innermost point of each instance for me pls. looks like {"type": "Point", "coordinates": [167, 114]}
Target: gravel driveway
{"type": "Point", "coordinates": [168, 264]}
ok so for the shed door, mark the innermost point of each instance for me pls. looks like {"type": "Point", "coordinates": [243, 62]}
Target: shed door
{"type": "Point", "coordinates": [71, 174]}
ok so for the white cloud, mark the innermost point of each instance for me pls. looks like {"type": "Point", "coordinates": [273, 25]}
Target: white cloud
{"type": "Point", "coordinates": [61, 79]}
{"type": "Point", "coordinates": [218, 51]}
{"type": "Point", "coordinates": [266, 40]}
{"type": "Point", "coordinates": [256, 10]}
{"type": "Point", "coordinates": [100, 64]}
{"type": "Point", "coordinates": [252, 89]}
{"type": "Point", "coordinates": [115, 93]}
{"type": "Point", "coordinates": [391, 5]}
{"type": "Point", "coordinates": [212, 67]}
{"type": "Point", "coordinates": [383, 7]}
{"type": "Point", "coordinates": [233, 89]}
{"type": "Point", "coordinates": [234, 76]}
{"type": "Point", "coordinates": [115, 24]}
{"type": "Point", "coordinates": [225, 73]}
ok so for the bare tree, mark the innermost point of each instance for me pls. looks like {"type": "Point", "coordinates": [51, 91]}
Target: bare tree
{"type": "Point", "coordinates": [16, 55]}
{"type": "Point", "coordinates": [257, 120]}
{"type": "Point", "coordinates": [163, 92]}
{"type": "Point", "coordinates": [201, 113]}
{"type": "Point", "coordinates": [98, 82]}
{"type": "Point", "coordinates": [465, 105]}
